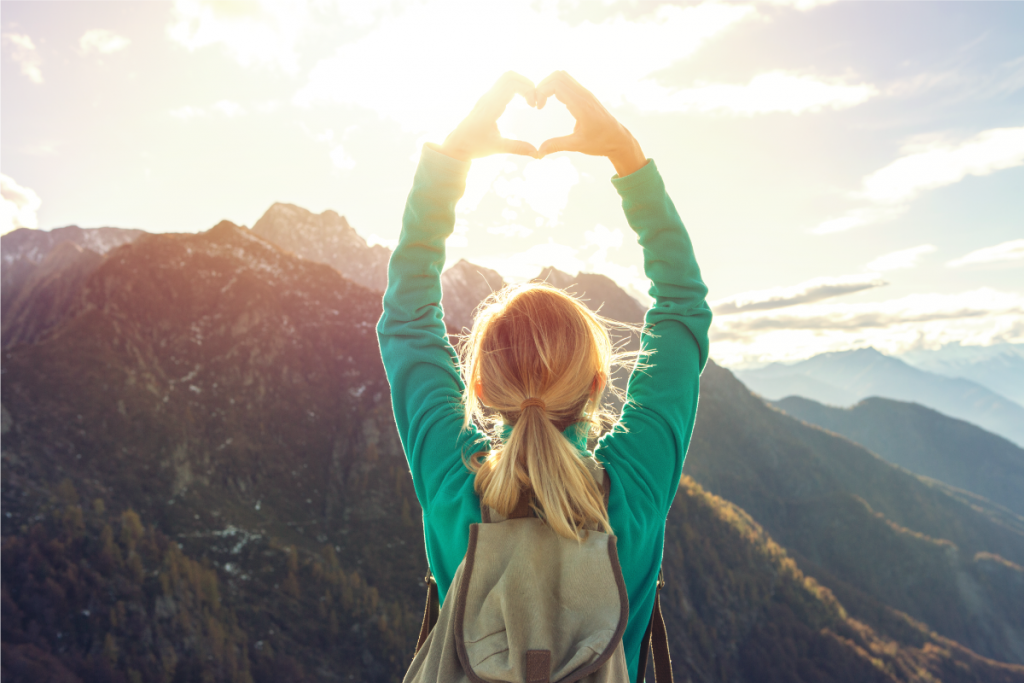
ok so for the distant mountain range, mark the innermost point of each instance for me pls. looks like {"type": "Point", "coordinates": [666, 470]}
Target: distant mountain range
{"type": "Point", "coordinates": [844, 378]}
{"type": "Point", "coordinates": [926, 442]}
{"type": "Point", "coordinates": [201, 480]}
{"type": "Point", "coordinates": [1000, 367]}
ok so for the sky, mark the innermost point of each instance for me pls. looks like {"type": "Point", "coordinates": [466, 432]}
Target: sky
{"type": "Point", "coordinates": [851, 173]}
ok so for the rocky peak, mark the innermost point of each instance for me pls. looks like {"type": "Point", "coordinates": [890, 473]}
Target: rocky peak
{"type": "Point", "coordinates": [325, 238]}
{"type": "Point", "coordinates": [464, 286]}
{"type": "Point", "coordinates": [599, 292]}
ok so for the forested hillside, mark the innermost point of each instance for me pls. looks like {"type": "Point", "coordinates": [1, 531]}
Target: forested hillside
{"type": "Point", "coordinates": [201, 481]}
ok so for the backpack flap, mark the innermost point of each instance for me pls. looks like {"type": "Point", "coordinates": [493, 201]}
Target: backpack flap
{"type": "Point", "coordinates": [526, 591]}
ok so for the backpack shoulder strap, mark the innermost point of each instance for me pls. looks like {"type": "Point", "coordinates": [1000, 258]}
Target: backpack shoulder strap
{"type": "Point", "coordinates": [430, 612]}
{"type": "Point", "coordinates": [656, 639]}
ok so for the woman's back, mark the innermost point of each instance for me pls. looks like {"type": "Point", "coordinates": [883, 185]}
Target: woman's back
{"type": "Point", "coordinates": [643, 454]}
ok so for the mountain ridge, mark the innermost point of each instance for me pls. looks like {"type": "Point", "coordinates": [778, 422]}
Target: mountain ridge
{"type": "Point", "coordinates": [860, 373]}
{"type": "Point", "coordinates": [926, 442]}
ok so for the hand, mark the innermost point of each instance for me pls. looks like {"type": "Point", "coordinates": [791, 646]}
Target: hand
{"type": "Point", "coordinates": [597, 132]}
{"type": "Point", "coordinates": [477, 136]}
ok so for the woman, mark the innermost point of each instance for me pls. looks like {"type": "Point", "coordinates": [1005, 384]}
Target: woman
{"type": "Point", "coordinates": [511, 363]}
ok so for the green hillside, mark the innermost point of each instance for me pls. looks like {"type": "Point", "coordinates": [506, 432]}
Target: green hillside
{"type": "Point", "coordinates": [926, 442]}
{"type": "Point", "coordinates": [873, 533]}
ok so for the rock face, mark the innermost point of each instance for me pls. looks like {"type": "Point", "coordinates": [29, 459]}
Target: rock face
{"type": "Point", "coordinates": [326, 238]}
{"type": "Point", "coordinates": [463, 287]}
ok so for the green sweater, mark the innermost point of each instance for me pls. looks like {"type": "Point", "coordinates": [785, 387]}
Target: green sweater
{"type": "Point", "coordinates": [644, 460]}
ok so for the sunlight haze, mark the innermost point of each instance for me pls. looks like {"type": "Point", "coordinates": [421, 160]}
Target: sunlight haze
{"type": "Point", "coordinates": [851, 173]}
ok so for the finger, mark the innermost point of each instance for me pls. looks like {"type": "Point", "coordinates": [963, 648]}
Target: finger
{"type": "Point", "coordinates": [517, 147]}
{"type": "Point", "coordinates": [508, 86]}
{"type": "Point", "coordinates": [567, 143]}
{"type": "Point", "coordinates": [557, 85]}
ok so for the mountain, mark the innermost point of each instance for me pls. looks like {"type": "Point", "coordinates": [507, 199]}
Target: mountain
{"type": "Point", "coordinates": [43, 298]}
{"type": "Point", "coordinates": [599, 292]}
{"type": "Point", "coordinates": [326, 238]}
{"type": "Point", "coordinates": [878, 537]}
{"type": "Point", "coordinates": [201, 481]}
{"type": "Point", "coordinates": [999, 367]}
{"type": "Point", "coordinates": [231, 396]}
{"type": "Point", "coordinates": [926, 442]}
{"type": "Point", "coordinates": [24, 252]}
{"type": "Point", "coordinates": [866, 372]}
{"type": "Point", "coordinates": [24, 244]}
{"type": "Point", "coordinates": [463, 287]}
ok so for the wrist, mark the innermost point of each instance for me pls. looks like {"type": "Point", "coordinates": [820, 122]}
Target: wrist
{"type": "Point", "coordinates": [628, 160]}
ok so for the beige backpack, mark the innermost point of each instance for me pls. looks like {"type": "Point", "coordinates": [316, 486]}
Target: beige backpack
{"type": "Point", "coordinates": [529, 606]}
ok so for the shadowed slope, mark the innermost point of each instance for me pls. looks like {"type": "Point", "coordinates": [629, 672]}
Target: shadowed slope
{"type": "Point", "coordinates": [926, 442]}
{"type": "Point", "coordinates": [875, 534]}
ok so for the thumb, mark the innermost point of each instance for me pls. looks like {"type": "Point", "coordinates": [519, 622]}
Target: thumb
{"type": "Point", "coordinates": [517, 147]}
{"type": "Point", "coordinates": [567, 143]}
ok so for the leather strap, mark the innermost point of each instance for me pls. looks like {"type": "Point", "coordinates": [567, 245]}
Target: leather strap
{"type": "Point", "coordinates": [522, 508]}
{"type": "Point", "coordinates": [430, 612]}
{"type": "Point", "coordinates": [538, 666]}
{"type": "Point", "coordinates": [656, 639]}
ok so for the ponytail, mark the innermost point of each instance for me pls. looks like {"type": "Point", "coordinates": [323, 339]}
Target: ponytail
{"type": "Point", "coordinates": [540, 358]}
{"type": "Point", "coordinates": [538, 457]}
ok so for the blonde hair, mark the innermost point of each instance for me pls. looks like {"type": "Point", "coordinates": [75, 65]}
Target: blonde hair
{"type": "Point", "coordinates": [534, 341]}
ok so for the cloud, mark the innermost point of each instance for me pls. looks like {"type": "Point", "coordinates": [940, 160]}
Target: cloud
{"type": "Point", "coordinates": [526, 264]}
{"type": "Point", "coordinates": [1007, 251]}
{"type": "Point", "coordinates": [905, 258]}
{"type": "Point", "coordinates": [19, 206]}
{"type": "Point", "coordinates": [937, 164]}
{"type": "Point", "coordinates": [603, 238]}
{"type": "Point", "coordinates": [263, 33]}
{"type": "Point", "coordinates": [772, 92]}
{"type": "Point", "coordinates": [802, 5]}
{"type": "Point", "coordinates": [225, 108]}
{"type": "Point", "coordinates": [978, 317]}
{"type": "Point", "coordinates": [803, 293]}
{"type": "Point", "coordinates": [228, 108]}
{"type": "Point", "coordinates": [544, 186]}
{"type": "Point", "coordinates": [511, 230]}
{"type": "Point", "coordinates": [654, 42]}
{"type": "Point", "coordinates": [188, 112]}
{"type": "Point", "coordinates": [928, 165]}
{"type": "Point", "coordinates": [856, 218]}
{"type": "Point", "coordinates": [25, 55]}
{"type": "Point", "coordinates": [101, 41]}
{"type": "Point", "coordinates": [342, 159]}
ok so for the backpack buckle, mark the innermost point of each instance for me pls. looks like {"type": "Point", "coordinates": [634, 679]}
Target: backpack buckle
{"type": "Point", "coordinates": [661, 579]}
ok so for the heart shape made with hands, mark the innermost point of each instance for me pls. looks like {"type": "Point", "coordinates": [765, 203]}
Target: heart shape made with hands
{"type": "Point", "coordinates": [529, 124]}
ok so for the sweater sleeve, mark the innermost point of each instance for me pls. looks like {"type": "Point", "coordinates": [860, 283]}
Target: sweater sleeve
{"type": "Point", "coordinates": [646, 449]}
{"type": "Point", "coordinates": [421, 365]}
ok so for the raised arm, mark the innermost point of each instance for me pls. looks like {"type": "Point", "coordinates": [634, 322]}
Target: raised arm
{"type": "Point", "coordinates": [645, 452]}
{"type": "Point", "coordinates": [426, 388]}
